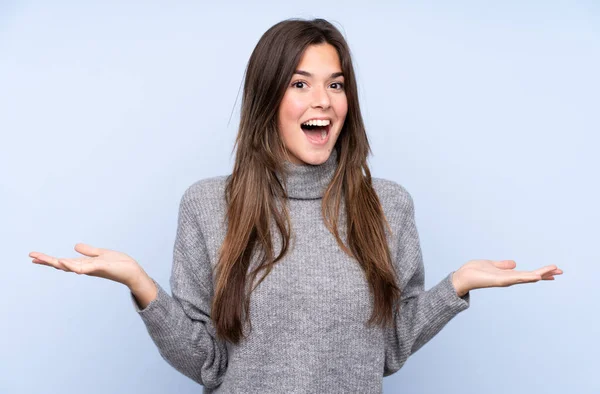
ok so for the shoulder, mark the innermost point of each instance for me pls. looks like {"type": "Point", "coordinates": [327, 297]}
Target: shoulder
{"type": "Point", "coordinates": [207, 192]}
{"type": "Point", "coordinates": [392, 193]}
{"type": "Point", "coordinates": [206, 187]}
{"type": "Point", "coordinates": [396, 200]}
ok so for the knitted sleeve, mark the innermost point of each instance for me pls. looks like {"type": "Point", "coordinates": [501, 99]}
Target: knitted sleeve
{"type": "Point", "coordinates": [180, 325]}
{"type": "Point", "coordinates": [422, 314]}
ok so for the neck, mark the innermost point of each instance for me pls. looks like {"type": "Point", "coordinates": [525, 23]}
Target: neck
{"type": "Point", "coordinates": [307, 181]}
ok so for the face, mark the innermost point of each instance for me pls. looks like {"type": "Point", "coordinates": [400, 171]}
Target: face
{"type": "Point", "coordinates": [316, 91]}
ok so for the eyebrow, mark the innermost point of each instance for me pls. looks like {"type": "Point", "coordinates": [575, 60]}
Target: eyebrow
{"type": "Point", "coordinates": [307, 74]}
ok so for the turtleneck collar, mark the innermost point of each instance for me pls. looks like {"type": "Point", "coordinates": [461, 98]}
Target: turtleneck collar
{"type": "Point", "coordinates": [307, 181]}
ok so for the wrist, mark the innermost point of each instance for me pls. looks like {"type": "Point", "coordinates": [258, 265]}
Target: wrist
{"type": "Point", "coordinates": [139, 282]}
{"type": "Point", "coordinates": [461, 291]}
{"type": "Point", "coordinates": [144, 290]}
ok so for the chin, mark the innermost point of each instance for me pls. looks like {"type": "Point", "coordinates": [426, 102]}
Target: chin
{"type": "Point", "coordinates": [315, 158]}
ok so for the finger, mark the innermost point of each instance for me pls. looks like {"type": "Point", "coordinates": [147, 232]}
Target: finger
{"type": "Point", "coordinates": [544, 270]}
{"type": "Point", "coordinates": [79, 266]}
{"type": "Point", "coordinates": [35, 254]}
{"type": "Point", "coordinates": [42, 262]}
{"type": "Point", "coordinates": [50, 261]}
{"type": "Point", "coordinates": [521, 277]}
{"type": "Point", "coordinates": [89, 250]}
{"type": "Point", "coordinates": [554, 272]}
{"type": "Point", "coordinates": [72, 265]}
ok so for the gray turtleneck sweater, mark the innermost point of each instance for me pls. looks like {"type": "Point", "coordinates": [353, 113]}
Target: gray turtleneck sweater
{"type": "Point", "coordinates": [308, 316]}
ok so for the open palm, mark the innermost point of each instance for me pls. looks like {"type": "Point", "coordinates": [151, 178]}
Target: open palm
{"type": "Point", "coordinates": [103, 263]}
{"type": "Point", "coordinates": [477, 274]}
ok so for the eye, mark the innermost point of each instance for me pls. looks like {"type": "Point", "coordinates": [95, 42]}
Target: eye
{"type": "Point", "coordinates": [341, 85]}
{"type": "Point", "coordinates": [295, 84]}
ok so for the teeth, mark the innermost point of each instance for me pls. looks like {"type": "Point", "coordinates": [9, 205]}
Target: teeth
{"type": "Point", "coordinates": [317, 122]}
{"type": "Point", "coordinates": [323, 135]}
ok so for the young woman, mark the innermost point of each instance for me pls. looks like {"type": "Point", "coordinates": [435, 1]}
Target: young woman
{"type": "Point", "coordinates": [340, 300]}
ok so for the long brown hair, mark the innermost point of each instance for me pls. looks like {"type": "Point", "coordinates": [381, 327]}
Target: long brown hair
{"type": "Point", "coordinates": [256, 198]}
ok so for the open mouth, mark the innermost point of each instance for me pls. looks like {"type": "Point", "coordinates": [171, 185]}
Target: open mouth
{"type": "Point", "coordinates": [317, 134]}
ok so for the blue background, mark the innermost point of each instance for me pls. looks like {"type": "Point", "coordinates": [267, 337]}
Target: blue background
{"type": "Point", "coordinates": [487, 112]}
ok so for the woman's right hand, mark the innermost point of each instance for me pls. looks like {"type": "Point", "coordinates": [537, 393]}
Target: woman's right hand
{"type": "Point", "coordinates": [104, 263]}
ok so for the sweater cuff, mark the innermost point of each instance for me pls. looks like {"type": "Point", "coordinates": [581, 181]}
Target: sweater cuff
{"type": "Point", "coordinates": [155, 306]}
{"type": "Point", "coordinates": [445, 289]}
{"type": "Point", "coordinates": [445, 304]}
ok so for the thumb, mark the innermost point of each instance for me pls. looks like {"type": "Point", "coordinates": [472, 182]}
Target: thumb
{"type": "Point", "coordinates": [88, 250]}
{"type": "Point", "coordinates": [505, 264]}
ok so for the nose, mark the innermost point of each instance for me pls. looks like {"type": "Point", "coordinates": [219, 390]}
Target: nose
{"type": "Point", "coordinates": [321, 98]}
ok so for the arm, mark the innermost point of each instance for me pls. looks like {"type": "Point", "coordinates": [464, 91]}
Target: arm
{"type": "Point", "coordinates": [180, 325]}
{"type": "Point", "coordinates": [422, 314]}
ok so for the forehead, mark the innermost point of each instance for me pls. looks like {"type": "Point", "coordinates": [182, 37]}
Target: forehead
{"type": "Point", "coordinates": [321, 60]}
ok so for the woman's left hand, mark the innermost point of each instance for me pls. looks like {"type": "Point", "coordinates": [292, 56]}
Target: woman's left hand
{"type": "Point", "coordinates": [477, 274]}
